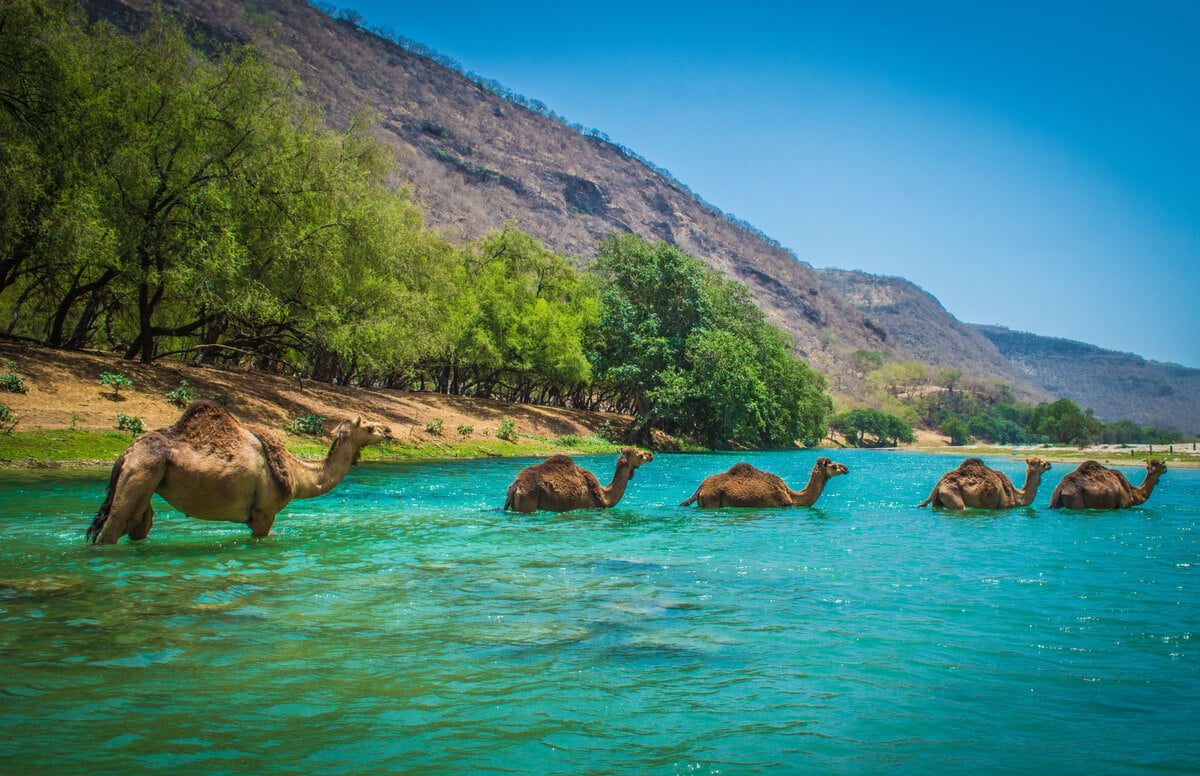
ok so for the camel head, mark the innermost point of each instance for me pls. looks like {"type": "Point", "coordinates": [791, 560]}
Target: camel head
{"type": "Point", "coordinates": [633, 458]}
{"type": "Point", "coordinates": [1037, 465]}
{"type": "Point", "coordinates": [830, 468]}
{"type": "Point", "coordinates": [1155, 466]}
{"type": "Point", "coordinates": [362, 433]}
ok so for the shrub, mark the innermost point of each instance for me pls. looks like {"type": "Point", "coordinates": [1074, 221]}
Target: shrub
{"type": "Point", "coordinates": [8, 418]}
{"type": "Point", "coordinates": [434, 426]}
{"type": "Point", "coordinates": [465, 430]}
{"type": "Point", "coordinates": [309, 425]}
{"type": "Point", "coordinates": [183, 395]}
{"type": "Point", "coordinates": [12, 382]}
{"type": "Point", "coordinates": [116, 381]}
{"type": "Point", "coordinates": [221, 396]}
{"type": "Point", "coordinates": [508, 430]}
{"type": "Point", "coordinates": [130, 423]}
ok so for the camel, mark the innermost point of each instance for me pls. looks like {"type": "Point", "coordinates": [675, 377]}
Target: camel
{"type": "Point", "coordinates": [1092, 486]}
{"type": "Point", "coordinates": [974, 485]}
{"type": "Point", "coordinates": [745, 486]}
{"type": "Point", "coordinates": [211, 467]}
{"type": "Point", "coordinates": [557, 484]}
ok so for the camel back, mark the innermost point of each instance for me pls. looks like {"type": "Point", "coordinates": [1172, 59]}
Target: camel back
{"type": "Point", "coordinates": [207, 425]}
{"type": "Point", "coordinates": [560, 468]}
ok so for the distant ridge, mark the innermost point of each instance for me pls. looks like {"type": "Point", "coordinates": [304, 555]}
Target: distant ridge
{"type": "Point", "coordinates": [921, 329]}
{"type": "Point", "coordinates": [1116, 385]}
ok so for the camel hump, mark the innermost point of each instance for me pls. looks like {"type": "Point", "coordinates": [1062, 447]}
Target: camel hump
{"type": "Point", "coordinates": [276, 455]}
{"type": "Point", "coordinates": [743, 469]}
{"type": "Point", "coordinates": [972, 463]}
{"type": "Point", "coordinates": [1090, 467]}
{"type": "Point", "coordinates": [205, 421]}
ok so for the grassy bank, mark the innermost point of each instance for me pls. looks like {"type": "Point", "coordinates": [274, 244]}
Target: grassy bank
{"type": "Point", "coordinates": [66, 447]}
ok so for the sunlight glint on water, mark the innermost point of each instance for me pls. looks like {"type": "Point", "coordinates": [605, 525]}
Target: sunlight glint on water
{"type": "Point", "coordinates": [403, 623]}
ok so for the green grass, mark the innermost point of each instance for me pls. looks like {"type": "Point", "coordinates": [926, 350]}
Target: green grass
{"type": "Point", "coordinates": [25, 448]}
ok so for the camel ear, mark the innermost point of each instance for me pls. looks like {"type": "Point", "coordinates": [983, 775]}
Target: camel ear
{"type": "Point", "coordinates": [358, 421]}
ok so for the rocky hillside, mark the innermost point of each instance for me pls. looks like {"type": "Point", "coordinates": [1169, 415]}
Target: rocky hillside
{"type": "Point", "coordinates": [477, 159]}
{"type": "Point", "coordinates": [917, 324]}
{"type": "Point", "coordinates": [1116, 385]}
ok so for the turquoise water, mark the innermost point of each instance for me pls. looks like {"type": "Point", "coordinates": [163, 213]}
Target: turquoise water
{"type": "Point", "coordinates": [404, 624]}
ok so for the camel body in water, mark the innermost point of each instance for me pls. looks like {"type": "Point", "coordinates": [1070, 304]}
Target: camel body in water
{"type": "Point", "coordinates": [1092, 486]}
{"type": "Point", "coordinates": [745, 486]}
{"type": "Point", "coordinates": [558, 484]}
{"type": "Point", "coordinates": [209, 466]}
{"type": "Point", "coordinates": [974, 485]}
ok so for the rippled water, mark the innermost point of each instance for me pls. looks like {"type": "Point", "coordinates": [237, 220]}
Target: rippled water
{"type": "Point", "coordinates": [403, 624]}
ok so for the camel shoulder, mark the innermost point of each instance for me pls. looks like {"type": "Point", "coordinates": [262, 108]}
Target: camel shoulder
{"type": "Point", "coordinates": [277, 458]}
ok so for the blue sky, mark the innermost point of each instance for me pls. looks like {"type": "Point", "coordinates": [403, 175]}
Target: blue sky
{"type": "Point", "coordinates": [1035, 165]}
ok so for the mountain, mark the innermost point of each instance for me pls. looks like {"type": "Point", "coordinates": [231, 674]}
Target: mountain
{"type": "Point", "coordinates": [1116, 385]}
{"type": "Point", "coordinates": [919, 326]}
{"type": "Point", "coordinates": [477, 158]}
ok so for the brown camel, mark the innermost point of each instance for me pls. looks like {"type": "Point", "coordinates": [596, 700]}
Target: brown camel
{"type": "Point", "coordinates": [211, 467]}
{"type": "Point", "coordinates": [557, 484]}
{"type": "Point", "coordinates": [974, 485]}
{"type": "Point", "coordinates": [745, 486]}
{"type": "Point", "coordinates": [1092, 486]}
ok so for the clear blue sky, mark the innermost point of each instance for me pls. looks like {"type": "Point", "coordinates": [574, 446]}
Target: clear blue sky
{"type": "Point", "coordinates": [1032, 164]}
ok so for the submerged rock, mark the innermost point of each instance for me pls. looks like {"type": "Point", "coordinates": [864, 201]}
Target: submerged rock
{"type": "Point", "coordinates": [48, 586]}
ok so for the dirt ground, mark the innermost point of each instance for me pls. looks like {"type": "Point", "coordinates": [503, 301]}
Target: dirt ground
{"type": "Point", "coordinates": [65, 392]}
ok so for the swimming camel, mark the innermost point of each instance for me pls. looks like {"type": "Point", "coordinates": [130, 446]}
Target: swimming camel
{"type": "Point", "coordinates": [974, 485]}
{"type": "Point", "coordinates": [558, 484]}
{"type": "Point", "coordinates": [211, 467]}
{"type": "Point", "coordinates": [745, 486]}
{"type": "Point", "coordinates": [1092, 486]}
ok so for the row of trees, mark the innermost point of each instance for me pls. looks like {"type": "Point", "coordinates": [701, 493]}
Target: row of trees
{"type": "Point", "coordinates": [161, 201]}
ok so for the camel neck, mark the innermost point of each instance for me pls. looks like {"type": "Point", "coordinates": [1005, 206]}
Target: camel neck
{"type": "Point", "coordinates": [1143, 491]}
{"type": "Point", "coordinates": [1025, 496]}
{"type": "Point", "coordinates": [616, 489]}
{"type": "Point", "coordinates": [812, 491]}
{"type": "Point", "coordinates": [318, 478]}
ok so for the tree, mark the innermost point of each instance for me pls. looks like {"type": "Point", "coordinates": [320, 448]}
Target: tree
{"type": "Point", "coordinates": [957, 431]}
{"type": "Point", "coordinates": [683, 349]}
{"type": "Point", "coordinates": [854, 426]}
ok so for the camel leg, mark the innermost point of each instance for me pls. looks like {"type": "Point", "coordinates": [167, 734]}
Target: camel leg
{"type": "Point", "coordinates": [260, 523]}
{"type": "Point", "coordinates": [139, 531]}
{"type": "Point", "coordinates": [950, 500]}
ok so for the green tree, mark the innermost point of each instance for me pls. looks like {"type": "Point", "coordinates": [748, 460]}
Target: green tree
{"type": "Point", "coordinates": [683, 349]}
{"type": "Point", "coordinates": [957, 430]}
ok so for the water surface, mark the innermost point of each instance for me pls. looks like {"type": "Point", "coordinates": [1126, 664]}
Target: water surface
{"type": "Point", "coordinates": [404, 624]}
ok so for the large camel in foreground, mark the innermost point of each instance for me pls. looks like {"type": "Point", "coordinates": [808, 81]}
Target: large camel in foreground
{"type": "Point", "coordinates": [974, 485]}
{"type": "Point", "coordinates": [557, 484]}
{"type": "Point", "coordinates": [745, 486]}
{"type": "Point", "coordinates": [211, 467]}
{"type": "Point", "coordinates": [1092, 486]}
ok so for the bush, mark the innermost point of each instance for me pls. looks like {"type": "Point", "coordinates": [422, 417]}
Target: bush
{"type": "Point", "coordinates": [12, 382]}
{"type": "Point", "coordinates": [508, 430]}
{"type": "Point", "coordinates": [309, 425]}
{"type": "Point", "coordinates": [116, 381]}
{"type": "Point", "coordinates": [434, 426]}
{"type": "Point", "coordinates": [130, 423]}
{"type": "Point", "coordinates": [183, 395]}
{"type": "Point", "coordinates": [465, 430]}
{"type": "Point", "coordinates": [8, 418]}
